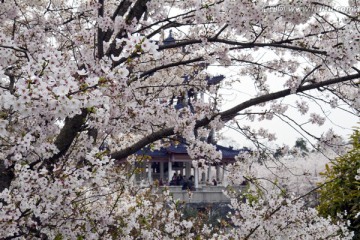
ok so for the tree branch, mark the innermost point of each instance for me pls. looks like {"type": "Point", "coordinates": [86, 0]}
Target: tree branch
{"type": "Point", "coordinates": [142, 143]}
{"type": "Point", "coordinates": [63, 141]}
{"type": "Point", "coordinates": [276, 95]}
{"type": "Point", "coordinates": [228, 114]}
{"type": "Point", "coordinates": [100, 34]}
{"type": "Point", "coordinates": [242, 45]}
{"type": "Point", "coordinates": [68, 133]}
{"type": "Point", "coordinates": [6, 176]}
{"type": "Point", "coordinates": [136, 11]}
{"type": "Point", "coordinates": [151, 71]}
{"type": "Point", "coordinates": [121, 9]}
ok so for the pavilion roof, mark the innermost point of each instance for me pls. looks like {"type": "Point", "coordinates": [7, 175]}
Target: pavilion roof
{"type": "Point", "coordinates": [181, 149]}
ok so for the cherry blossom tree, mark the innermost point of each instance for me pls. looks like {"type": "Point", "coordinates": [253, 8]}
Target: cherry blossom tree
{"type": "Point", "coordinates": [78, 74]}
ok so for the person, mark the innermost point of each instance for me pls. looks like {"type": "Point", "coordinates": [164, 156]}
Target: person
{"type": "Point", "coordinates": [208, 183]}
{"type": "Point", "coordinates": [215, 182]}
{"type": "Point", "coordinates": [173, 180]}
{"type": "Point", "coordinates": [190, 183]}
{"type": "Point", "coordinates": [185, 185]}
{"type": "Point", "coordinates": [180, 180]}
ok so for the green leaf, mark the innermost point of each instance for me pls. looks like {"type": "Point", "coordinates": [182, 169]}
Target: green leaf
{"type": "Point", "coordinates": [58, 237]}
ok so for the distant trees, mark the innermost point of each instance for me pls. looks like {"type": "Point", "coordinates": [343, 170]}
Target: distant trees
{"type": "Point", "coordinates": [300, 147]}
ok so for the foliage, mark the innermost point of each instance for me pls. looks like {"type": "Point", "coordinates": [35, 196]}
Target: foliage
{"type": "Point", "coordinates": [85, 85]}
{"type": "Point", "coordinates": [341, 192]}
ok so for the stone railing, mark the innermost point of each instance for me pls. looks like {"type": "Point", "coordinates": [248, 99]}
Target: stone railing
{"type": "Point", "coordinates": [205, 194]}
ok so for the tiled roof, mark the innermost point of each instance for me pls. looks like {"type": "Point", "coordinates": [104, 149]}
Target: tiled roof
{"type": "Point", "coordinates": [227, 152]}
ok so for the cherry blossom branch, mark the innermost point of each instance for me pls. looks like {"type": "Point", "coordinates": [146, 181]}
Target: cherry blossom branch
{"type": "Point", "coordinates": [171, 23]}
{"type": "Point", "coordinates": [336, 10]}
{"type": "Point", "coordinates": [276, 45]}
{"type": "Point", "coordinates": [19, 49]}
{"type": "Point", "coordinates": [299, 126]}
{"type": "Point", "coordinates": [242, 45]}
{"type": "Point", "coordinates": [309, 73]}
{"type": "Point", "coordinates": [261, 65]}
{"type": "Point", "coordinates": [322, 100]}
{"type": "Point", "coordinates": [265, 218]}
{"type": "Point", "coordinates": [220, 31]}
{"type": "Point", "coordinates": [228, 114]}
{"type": "Point", "coordinates": [342, 98]}
{"type": "Point", "coordinates": [171, 65]}
{"type": "Point", "coordinates": [138, 9]}
{"type": "Point", "coordinates": [272, 96]}
{"type": "Point", "coordinates": [314, 189]}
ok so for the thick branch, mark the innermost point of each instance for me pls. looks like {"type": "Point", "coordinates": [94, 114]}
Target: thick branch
{"type": "Point", "coordinates": [228, 114]}
{"type": "Point", "coordinates": [122, 8]}
{"type": "Point", "coordinates": [63, 141]}
{"type": "Point", "coordinates": [100, 34]}
{"type": "Point", "coordinates": [69, 132]}
{"type": "Point", "coordinates": [6, 176]}
{"type": "Point", "coordinates": [136, 12]}
{"type": "Point", "coordinates": [143, 142]}
{"type": "Point", "coordinates": [9, 72]}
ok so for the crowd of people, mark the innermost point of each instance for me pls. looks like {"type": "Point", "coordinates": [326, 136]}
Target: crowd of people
{"type": "Point", "coordinates": [180, 180]}
{"type": "Point", "coordinates": [177, 180]}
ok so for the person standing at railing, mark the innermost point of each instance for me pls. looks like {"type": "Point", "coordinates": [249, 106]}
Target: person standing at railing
{"type": "Point", "coordinates": [180, 180]}
{"type": "Point", "coordinates": [214, 182]}
{"type": "Point", "coordinates": [173, 181]}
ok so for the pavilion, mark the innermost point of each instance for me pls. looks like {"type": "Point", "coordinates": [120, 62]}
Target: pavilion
{"type": "Point", "coordinates": [160, 165]}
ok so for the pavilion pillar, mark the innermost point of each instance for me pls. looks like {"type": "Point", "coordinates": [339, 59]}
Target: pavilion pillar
{"type": "Point", "coordinates": [223, 174]}
{"type": "Point", "coordinates": [209, 173]}
{"type": "Point", "coordinates": [169, 170]}
{"type": "Point", "coordinates": [162, 170]}
{"type": "Point", "coordinates": [203, 177]}
{"type": "Point", "coordinates": [218, 172]}
{"type": "Point", "coordinates": [187, 170]}
{"type": "Point", "coordinates": [196, 173]}
{"type": "Point", "coordinates": [143, 171]}
{"type": "Point", "coordinates": [149, 172]}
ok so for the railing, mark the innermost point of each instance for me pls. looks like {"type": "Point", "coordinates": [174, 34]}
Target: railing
{"type": "Point", "coordinates": [205, 194]}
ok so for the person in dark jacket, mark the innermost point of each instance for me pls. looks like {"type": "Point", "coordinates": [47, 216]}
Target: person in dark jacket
{"type": "Point", "coordinates": [173, 181]}
{"type": "Point", "coordinates": [180, 180]}
{"type": "Point", "coordinates": [214, 182]}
